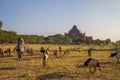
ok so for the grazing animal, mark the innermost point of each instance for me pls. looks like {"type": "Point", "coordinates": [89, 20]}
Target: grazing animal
{"type": "Point", "coordinates": [42, 50]}
{"type": "Point", "coordinates": [14, 49]}
{"type": "Point", "coordinates": [92, 63]}
{"type": "Point", "coordinates": [1, 51]}
{"type": "Point", "coordinates": [89, 52]}
{"type": "Point", "coordinates": [30, 51]}
{"type": "Point", "coordinates": [8, 51]}
{"type": "Point", "coordinates": [66, 51]}
{"type": "Point", "coordinates": [117, 55]}
{"type": "Point", "coordinates": [55, 52]}
{"type": "Point", "coordinates": [78, 49]}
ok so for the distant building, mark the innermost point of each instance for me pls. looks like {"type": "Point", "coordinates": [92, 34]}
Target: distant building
{"type": "Point", "coordinates": [76, 34]}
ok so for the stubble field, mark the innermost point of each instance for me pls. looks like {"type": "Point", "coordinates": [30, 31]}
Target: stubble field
{"type": "Point", "coordinates": [64, 67]}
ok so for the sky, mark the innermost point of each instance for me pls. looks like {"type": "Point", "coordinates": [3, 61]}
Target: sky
{"type": "Point", "coordinates": [97, 18]}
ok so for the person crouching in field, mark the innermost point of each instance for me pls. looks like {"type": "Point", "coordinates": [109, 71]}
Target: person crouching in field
{"type": "Point", "coordinates": [45, 56]}
{"type": "Point", "coordinates": [20, 47]}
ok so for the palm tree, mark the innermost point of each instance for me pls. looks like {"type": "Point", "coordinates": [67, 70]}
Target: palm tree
{"type": "Point", "coordinates": [1, 23]}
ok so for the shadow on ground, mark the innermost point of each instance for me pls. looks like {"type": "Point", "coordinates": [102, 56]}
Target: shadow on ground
{"type": "Point", "coordinates": [80, 66]}
{"type": "Point", "coordinates": [58, 76]}
{"type": "Point", "coordinates": [105, 62]}
{"type": "Point", "coordinates": [7, 68]}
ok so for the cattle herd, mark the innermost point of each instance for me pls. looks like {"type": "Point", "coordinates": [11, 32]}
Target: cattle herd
{"type": "Point", "coordinates": [6, 51]}
{"type": "Point", "coordinates": [90, 62]}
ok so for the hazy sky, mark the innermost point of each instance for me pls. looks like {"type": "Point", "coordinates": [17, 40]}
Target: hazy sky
{"type": "Point", "coordinates": [98, 18]}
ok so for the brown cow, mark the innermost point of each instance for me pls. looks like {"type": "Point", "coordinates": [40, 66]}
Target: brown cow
{"type": "Point", "coordinates": [89, 52]}
{"type": "Point", "coordinates": [55, 52]}
{"type": "Point", "coordinates": [30, 51]}
{"type": "Point", "coordinates": [1, 51]}
{"type": "Point", "coordinates": [67, 51]}
{"type": "Point", "coordinates": [8, 51]}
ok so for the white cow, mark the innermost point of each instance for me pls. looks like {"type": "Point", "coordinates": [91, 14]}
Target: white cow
{"type": "Point", "coordinates": [92, 63]}
{"type": "Point", "coordinates": [117, 55]}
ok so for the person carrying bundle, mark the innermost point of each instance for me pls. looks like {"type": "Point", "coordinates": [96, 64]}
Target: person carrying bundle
{"type": "Point", "coordinates": [20, 47]}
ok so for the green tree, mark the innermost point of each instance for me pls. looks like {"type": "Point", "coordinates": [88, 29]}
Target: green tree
{"type": "Point", "coordinates": [50, 40]}
{"type": "Point", "coordinates": [108, 41]}
{"type": "Point", "coordinates": [58, 39]}
{"type": "Point", "coordinates": [8, 37]}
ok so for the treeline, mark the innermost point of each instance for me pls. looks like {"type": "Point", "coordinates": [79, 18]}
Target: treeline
{"type": "Point", "coordinates": [8, 37]}
{"type": "Point", "coordinates": [11, 37]}
{"type": "Point", "coordinates": [74, 36]}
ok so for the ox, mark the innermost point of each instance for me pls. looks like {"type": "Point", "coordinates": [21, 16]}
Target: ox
{"type": "Point", "coordinates": [117, 55]}
{"type": "Point", "coordinates": [30, 51]}
{"type": "Point", "coordinates": [8, 51]}
{"type": "Point", "coordinates": [1, 51]}
{"type": "Point", "coordinates": [92, 63]}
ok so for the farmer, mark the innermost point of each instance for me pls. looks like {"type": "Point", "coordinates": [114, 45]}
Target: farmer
{"type": "Point", "coordinates": [60, 49]}
{"type": "Point", "coordinates": [45, 55]}
{"type": "Point", "coordinates": [20, 47]}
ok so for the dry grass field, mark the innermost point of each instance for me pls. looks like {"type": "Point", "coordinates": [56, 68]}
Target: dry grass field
{"type": "Point", "coordinates": [64, 67]}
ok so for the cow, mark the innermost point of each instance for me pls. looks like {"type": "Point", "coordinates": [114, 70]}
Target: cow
{"type": "Point", "coordinates": [14, 49]}
{"type": "Point", "coordinates": [117, 55]}
{"type": "Point", "coordinates": [67, 51]}
{"type": "Point", "coordinates": [1, 51]}
{"type": "Point", "coordinates": [42, 50]}
{"type": "Point", "coordinates": [92, 63]}
{"type": "Point", "coordinates": [30, 51]}
{"type": "Point", "coordinates": [55, 52]}
{"type": "Point", "coordinates": [89, 52]}
{"type": "Point", "coordinates": [8, 51]}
